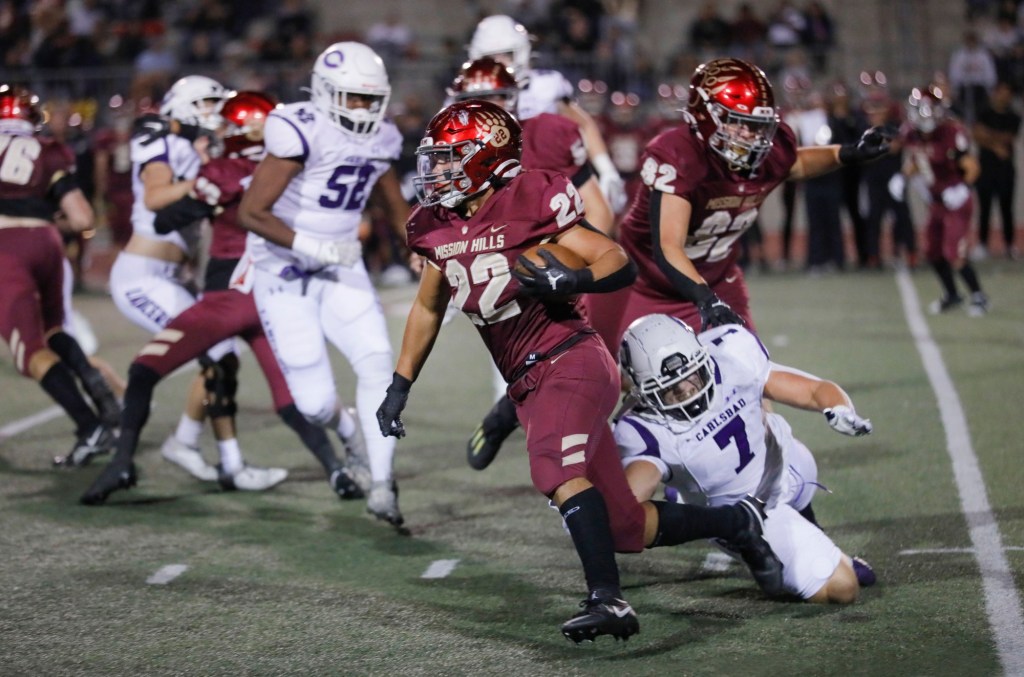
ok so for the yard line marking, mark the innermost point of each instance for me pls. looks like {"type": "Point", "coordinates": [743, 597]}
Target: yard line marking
{"type": "Point", "coordinates": [21, 425]}
{"type": "Point", "coordinates": [166, 574]}
{"type": "Point", "coordinates": [949, 551]}
{"type": "Point", "coordinates": [1002, 602]}
{"type": "Point", "coordinates": [440, 568]}
{"type": "Point", "coordinates": [717, 562]}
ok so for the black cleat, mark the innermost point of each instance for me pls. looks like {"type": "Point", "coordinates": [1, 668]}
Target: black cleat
{"type": "Point", "coordinates": [486, 440]}
{"type": "Point", "coordinates": [102, 396]}
{"type": "Point", "coordinates": [602, 616]}
{"type": "Point", "coordinates": [945, 304]}
{"type": "Point", "coordinates": [764, 565]}
{"type": "Point", "coordinates": [117, 475]}
{"type": "Point", "coordinates": [100, 440]}
{"type": "Point", "coordinates": [344, 485]}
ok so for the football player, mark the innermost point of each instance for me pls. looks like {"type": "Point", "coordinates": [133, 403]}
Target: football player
{"type": "Point", "coordinates": [37, 180]}
{"type": "Point", "coordinates": [478, 213]}
{"type": "Point", "coordinates": [225, 309]}
{"type": "Point", "coordinates": [938, 156]}
{"type": "Point", "coordinates": [706, 180]}
{"type": "Point", "coordinates": [699, 427]}
{"type": "Point", "coordinates": [324, 156]}
{"type": "Point", "coordinates": [547, 91]}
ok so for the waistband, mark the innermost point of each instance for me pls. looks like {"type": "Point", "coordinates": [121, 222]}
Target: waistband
{"type": "Point", "coordinates": [533, 358]}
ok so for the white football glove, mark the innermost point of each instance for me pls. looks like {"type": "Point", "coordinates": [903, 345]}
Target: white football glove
{"type": "Point", "coordinates": [845, 420]}
{"type": "Point", "coordinates": [956, 196]}
{"type": "Point", "coordinates": [611, 184]}
{"type": "Point", "coordinates": [898, 187]}
{"type": "Point", "coordinates": [328, 252]}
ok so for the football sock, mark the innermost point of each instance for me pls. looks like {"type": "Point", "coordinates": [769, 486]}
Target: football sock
{"type": "Point", "coordinates": [188, 431]}
{"type": "Point", "coordinates": [70, 353]}
{"type": "Point", "coordinates": [680, 523]}
{"type": "Point", "coordinates": [945, 273]}
{"type": "Point", "coordinates": [141, 383]}
{"type": "Point", "coordinates": [970, 277]}
{"type": "Point", "coordinates": [60, 385]}
{"type": "Point", "coordinates": [586, 517]}
{"type": "Point", "coordinates": [313, 437]}
{"type": "Point", "coordinates": [230, 456]}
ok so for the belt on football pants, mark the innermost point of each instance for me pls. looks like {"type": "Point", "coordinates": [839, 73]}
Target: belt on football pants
{"type": "Point", "coordinates": [292, 273]}
{"type": "Point", "coordinates": [535, 357]}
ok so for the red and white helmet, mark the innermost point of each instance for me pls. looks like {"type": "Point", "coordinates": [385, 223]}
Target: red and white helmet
{"type": "Point", "coordinates": [733, 107]}
{"type": "Point", "coordinates": [195, 100]}
{"type": "Point", "coordinates": [20, 111]}
{"type": "Point", "coordinates": [925, 109]}
{"type": "Point", "coordinates": [245, 113]}
{"type": "Point", "coordinates": [466, 148]}
{"type": "Point", "coordinates": [485, 78]}
{"type": "Point", "coordinates": [505, 39]}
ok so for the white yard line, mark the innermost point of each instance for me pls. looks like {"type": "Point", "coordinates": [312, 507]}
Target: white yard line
{"type": "Point", "coordinates": [22, 424]}
{"type": "Point", "coordinates": [949, 551]}
{"type": "Point", "coordinates": [1002, 601]}
{"type": "Point", "coordinates": [717, 562]}
{"type": "Point", "coordinates": [440, 568]}
{"type": "Point", "coordinates": [166, 574]}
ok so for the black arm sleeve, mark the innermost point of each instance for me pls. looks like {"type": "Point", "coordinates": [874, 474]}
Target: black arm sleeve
{"type": "Point", "coordinates": [585, 172]}
{"type": "Point", "coordinates": [62, 187]}
{"type": "Point", "coordinates": [689, 290]}
{"type": "Point", "coordinates": [623, 277]}
{"type": "Point", "coordinates": [181, 214]}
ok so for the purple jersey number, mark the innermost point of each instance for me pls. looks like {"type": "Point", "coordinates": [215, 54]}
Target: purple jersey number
{"type": "Point", "coordinates": [349, 182]}
{"type": "Point", "coordinates": [735, 431]}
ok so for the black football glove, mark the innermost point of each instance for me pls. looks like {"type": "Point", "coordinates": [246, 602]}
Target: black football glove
{"type": "Point", "coordinates": [873, 144]}
{"type": "Point", "coordinates": [715, 312]}
{"type": "Point", "coordinates": [150, 127]}
{"type": "Point", "coordinates": [555, 278]}
{"type": "Point", "coordinates": [389, 414]}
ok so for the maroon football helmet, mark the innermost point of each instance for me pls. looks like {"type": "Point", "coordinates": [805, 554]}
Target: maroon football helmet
{"type": "Point", "coordinates": [733, 107]}
{"type": "Point", "coordinates": [925, 109]}
{"type": "Point", "coordinates": [483, 79]}
{"type": "Point", "coordinates": [245, 113]}
{"type": "Point", "coordinates": [19, 104]}
{"type": "Point", "coordinates": [466, 147]}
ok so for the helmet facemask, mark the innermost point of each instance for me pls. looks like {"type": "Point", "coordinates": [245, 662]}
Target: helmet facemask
{"type": "Point", "coordinates": [441, 179]}
{"type": "Point", "coordinates": [743, 141]}
{"type": "Point", "coordinates": [357, 112]}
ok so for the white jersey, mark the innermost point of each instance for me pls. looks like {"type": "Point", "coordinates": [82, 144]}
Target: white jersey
{"type": "Point", "coordinates": [184, 162]}
{"type": "Point", "coordinates": [542, 94]}
{"type": "Point", "coordinates": [727, 453]}
{"type": "Point", "coordinates": [326, 199]}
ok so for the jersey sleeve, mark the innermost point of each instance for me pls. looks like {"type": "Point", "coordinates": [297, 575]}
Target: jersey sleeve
{"type": "Point", "coordinates": [636, 442]}
{"type": "Point", "coordinates": [284, 137]}
{"type": "Point", "coordinates": [670, 164]}
{"type": "Point", "coordinates": [391, 141]}
{"type": "Point", "coordinates": [555, 143]}
{"type": "Point", "coordinates": [58, 161]}
{"type": "Point", "coordinates": [155, 151]}
{"type": "Point", "coordinates": [559, 206]}
{"type": "Point", "coordinates": [740, 348]}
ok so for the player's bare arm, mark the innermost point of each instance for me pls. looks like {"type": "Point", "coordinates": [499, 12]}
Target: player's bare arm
{"type": "Point", "coordinates": [423, 323]}
{"type": "Point", "coordinates": [160, 187]}
{"type": "Point", "coordinates": [398, 208]}
{"type": "Point", "coordinates": [670, 238]}
{"type": "Point", "coordinates": [599, 213]}
{"type": "Point", "coordinates": [800, 389]}
{"type": "Point", "coordinates": [603, 255]}
{"type": "Point", "coordinates": [269, 181]}
{"type": "Point", "coordinates": [77, 210]}
{"type": "Point", "coordinates": [644, 478]}
{"type": "Point", "coordinates": [970, 168]}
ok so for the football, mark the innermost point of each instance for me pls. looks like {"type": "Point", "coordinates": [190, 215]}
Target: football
{"type": "Point", "coordinates": [566, 256]}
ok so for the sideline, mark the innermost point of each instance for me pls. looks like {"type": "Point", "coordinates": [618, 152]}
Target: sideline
{"type": "Point", "coordinates": [1002, 601]}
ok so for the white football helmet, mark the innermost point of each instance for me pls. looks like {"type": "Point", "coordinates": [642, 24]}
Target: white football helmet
{"type": "Point", "coordinates": [195, 100]}
{"type": "Point", "coordinates": [672, 373]}
{"type": "Point", "coordinates": [506, 40]}
{"type": "Point", "coordinates": [351, 69]}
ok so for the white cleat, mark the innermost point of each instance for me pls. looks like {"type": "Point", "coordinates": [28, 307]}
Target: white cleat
{"type": "Point", "coordinates": [357, 460]}
{"type": "Point", "coordinates": [383, 502]}
{"type": "Point", "coordinates": [252, 478]}
{"type": "Point", "coordinates": [189, 459]}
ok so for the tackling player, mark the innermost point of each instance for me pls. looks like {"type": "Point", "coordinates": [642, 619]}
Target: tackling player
{"type": "Point", "coordinates": [478, 214]}
{"type": "Point", "coordinates": [699, 426]}
{"type": "Point", "coordinates": [324, 156]}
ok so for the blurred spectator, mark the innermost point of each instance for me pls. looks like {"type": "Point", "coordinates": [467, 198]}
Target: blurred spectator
{"type": "Point", "coordinates": [823, 194]}
{"type": "Point", "coordinates": [709, 32]}
{"type": "Point", "coordinates": [293, 19]}
{"type": "Point", "coordinates": [157, 59]}
{"type": "Point", "coordinates": [577, 26]}
{"type": "Point", "coordinates": [748, 34]}
{"type": "Point", "coordinates": [1000, 39]}
{"type": "Point", "coordinates": [785, 27]}
{"type": "Point", "coordinates": [112, 172]}
{"type": "Point", "coordinates": [972, 73]}
{"type": "Point", "coordinates": [996, 131]}
{"type": "Point", "coordinates": [60, 48]}
{"type": "Point", "coordinates": [818, 35]}
{"type": "Point", "coordinates": [85, 17]}
{"type": "Point", "coordinates": [391, 39]}
{"type": "Point", "coordinates": [847, 124]}
{"type": "Point", "coordinates": [199, 51]}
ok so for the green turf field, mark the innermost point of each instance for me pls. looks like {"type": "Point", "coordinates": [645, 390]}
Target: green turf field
{"type": "Point", "coordinates": [296, 582]}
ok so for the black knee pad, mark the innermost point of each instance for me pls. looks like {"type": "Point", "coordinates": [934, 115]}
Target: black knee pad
{"type": "Point", "coordinates": [221, 381]}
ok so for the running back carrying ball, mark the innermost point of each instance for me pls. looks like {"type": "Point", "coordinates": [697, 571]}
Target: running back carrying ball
{"type": "Point", "coordinates": [565, 256]}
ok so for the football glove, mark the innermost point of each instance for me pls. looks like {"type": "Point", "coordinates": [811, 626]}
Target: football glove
{"type": "Point", "coordinates": [328, 252]}
{"type": "Point", "coordinates": [150, 127]}
{"type": "Point", "coordinates": [873, 144]}
{"type": "Point", "coordinates": [555, 278]}
{"type": "Point", "coordinates": [608, 179]}
{"type": "Point", "coordinates": [714, 312]}
{"type": "Point", "coordinates": [389, 414]}
{"type": "Point", "coordinates": [956, 196]}
{"type": "Point", "coordinates": [845, 420]}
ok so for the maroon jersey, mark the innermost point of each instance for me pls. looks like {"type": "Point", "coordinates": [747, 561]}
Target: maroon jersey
{"type": "Point", "coordinates": [477, 255]}
{"type": "Point", "coordinates": [29, 168]}
{"type": "Point", "coordinates": [119, 159]}
{"type": "Point", "coordinates": [725, 204]}
{"type": "Point", "coordinates": [937, 155]}
{"type": "Point", "coordinates": [221, 183]}
{"type": "Point", "coordinates": [553, 142]}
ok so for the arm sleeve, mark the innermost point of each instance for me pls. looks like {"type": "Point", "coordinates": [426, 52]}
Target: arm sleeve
{"type": "Point", "coordinates": [181, 214]}
{"type": "Point", "coordinates": [688, 290]}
